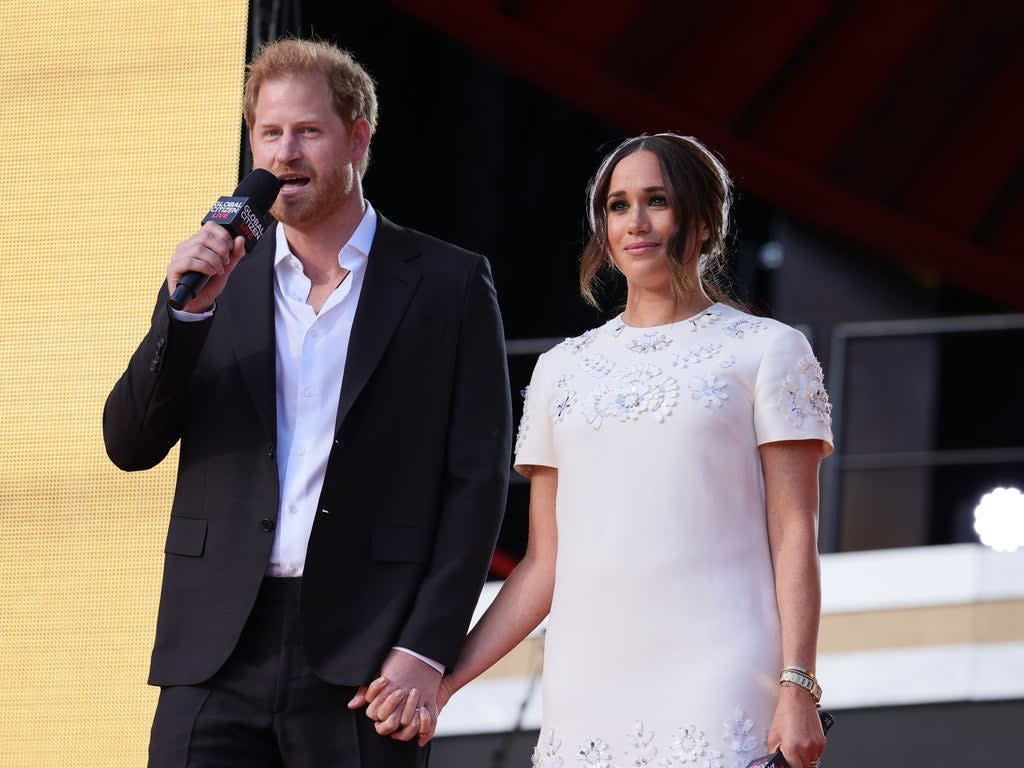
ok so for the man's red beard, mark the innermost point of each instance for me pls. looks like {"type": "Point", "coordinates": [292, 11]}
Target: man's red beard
{"type": "Point", "coordinates": [324, 195]}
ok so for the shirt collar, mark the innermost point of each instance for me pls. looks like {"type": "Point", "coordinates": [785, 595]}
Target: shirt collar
{"type": "Point", "coordinates": [353, 254]}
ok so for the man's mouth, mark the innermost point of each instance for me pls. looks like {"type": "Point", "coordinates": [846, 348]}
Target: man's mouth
{"type": "Point", "coordinates": [293, 181]}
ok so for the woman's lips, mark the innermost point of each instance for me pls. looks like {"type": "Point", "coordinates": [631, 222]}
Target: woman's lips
{"type": "Point", "coordinates": [642, 247]}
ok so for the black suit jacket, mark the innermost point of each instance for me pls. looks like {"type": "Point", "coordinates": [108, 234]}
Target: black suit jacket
{"type": "Point", "coordinates": [415, 484]}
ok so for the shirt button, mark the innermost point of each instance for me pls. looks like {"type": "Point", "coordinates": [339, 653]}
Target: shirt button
{"type": "Point", "coordinates": [267, 524]}
{"type": "Point", "coordinates": [302, 451]}
{"type": "Point", "coordinates": [309, 392]}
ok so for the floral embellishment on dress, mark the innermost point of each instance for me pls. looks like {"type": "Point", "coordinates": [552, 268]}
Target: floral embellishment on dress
{"type": "Point", "coordinates": [597, 365]}
{"type": "Point", "coordinates": [614, 327]}
{"type": "Point", "coordinates": [594, 754]}
{"type": "Point", "coordinates": [804, 395]}
{"type": "Point", "coordinates": [576, 343]}
{"type": "Point", "coordinates": [640, 393]}
{"type": "Point", "coordinates": [739, 326]}
{"type": "Point", "coordinates": [689, 744]}
{"type": "Point", "coordinates": [563, 380]}
{"type": "Point", "coordinates": [524, 422]}
{"type": "Point", "coordinates": [563, 406]}
{"type": "Point", "coordinates": [640, 752]}
{"type": "Point", "coordinates": [624, 404]}
{"type": "Point", "coordinates": [639, 373]}
{"type": "Point", "coordinates": [738, 733]}
{"type": "Point", "coordinates": [714, 759]}
{"type": "Point", "coordinates": [696, 355]}
{"type": "Point", "coordinates": [705, 319]}
{"type": "Point", "coordinates": [648, 341]}
{"type": "Point", "coordinates": [545, 754]}
{"type": "Point", "coordinates": [709, 391]}
{"type": "Point", "coordinates": [728, 362]}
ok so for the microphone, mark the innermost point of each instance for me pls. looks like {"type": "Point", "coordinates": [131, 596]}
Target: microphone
{"type": "Point", "coordinates": [245, 213]}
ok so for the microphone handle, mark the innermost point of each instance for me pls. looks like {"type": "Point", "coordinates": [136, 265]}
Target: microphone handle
{"type": "Point", "coordinates": [188, 288]}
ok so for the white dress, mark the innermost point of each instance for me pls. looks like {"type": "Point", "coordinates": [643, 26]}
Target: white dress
{"type": "Point", "coordinates": [663, 644]}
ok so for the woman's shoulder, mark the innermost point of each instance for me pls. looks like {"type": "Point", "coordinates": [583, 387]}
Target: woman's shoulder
{"type": "Point", "coordinates": [741, 324]}
{"type": "Point", "coordinates": [573, 346]}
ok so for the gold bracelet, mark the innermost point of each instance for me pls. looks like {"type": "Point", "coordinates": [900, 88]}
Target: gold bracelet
{"type": "Point", "coordinates": [801, 670]}
{"type": "Point", "coordinates": [805, 680]}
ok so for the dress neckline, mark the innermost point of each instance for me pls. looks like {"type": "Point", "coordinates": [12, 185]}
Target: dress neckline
{"type": "Point", "coordinates": [648, 328]}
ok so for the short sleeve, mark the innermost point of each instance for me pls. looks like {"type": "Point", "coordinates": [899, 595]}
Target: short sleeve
{"type": "Point", "coordinates": [790, 402]}
{"type": "Point", "coordinates": [534, 442]}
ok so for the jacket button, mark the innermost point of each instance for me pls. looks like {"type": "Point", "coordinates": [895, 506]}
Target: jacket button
{"type": "Point", "coordinates": [267, 524]}
{"type": "Point", "coordinates": [270, 451]}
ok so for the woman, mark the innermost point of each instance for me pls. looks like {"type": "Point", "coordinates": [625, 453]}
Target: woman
{"type": "Point", "coordinates": [673, 458]}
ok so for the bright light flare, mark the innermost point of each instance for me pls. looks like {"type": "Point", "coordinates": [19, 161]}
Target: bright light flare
{"type": "Point", "coordinates": [999, 519]}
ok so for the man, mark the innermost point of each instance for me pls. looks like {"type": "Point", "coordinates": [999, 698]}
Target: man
{"type": "Point", "coordinates": [341, 400]}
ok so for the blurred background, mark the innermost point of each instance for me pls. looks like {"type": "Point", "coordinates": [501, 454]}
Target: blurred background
{"type": "Point", "coordinates": [877, 149]}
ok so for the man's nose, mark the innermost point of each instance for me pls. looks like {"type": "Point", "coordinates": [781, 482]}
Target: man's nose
{"type": "Point", "coordinates": [288, 148]}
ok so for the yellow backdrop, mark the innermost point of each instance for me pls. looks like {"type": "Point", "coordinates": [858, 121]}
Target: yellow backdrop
{"type": "Point", "coordinates": [120, 126]}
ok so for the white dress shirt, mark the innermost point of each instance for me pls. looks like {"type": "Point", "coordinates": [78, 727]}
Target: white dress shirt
{"type": "Point", "coordinates": [311, 349]}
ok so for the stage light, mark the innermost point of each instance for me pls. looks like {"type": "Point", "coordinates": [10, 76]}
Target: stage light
{"type": "Point", "coordinates": [999, 519]}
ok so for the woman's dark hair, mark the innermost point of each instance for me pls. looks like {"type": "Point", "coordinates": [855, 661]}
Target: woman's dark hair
{"type": "Point", "coordinates": [699, 191]}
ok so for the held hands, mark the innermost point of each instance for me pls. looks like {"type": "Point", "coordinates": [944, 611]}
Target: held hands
{"type": "Point", "coordinates": [211, 251]}
{"type": "Point", "coordinates": [796, 729]}
{"type": "Point", "coordinates": [404, 700]}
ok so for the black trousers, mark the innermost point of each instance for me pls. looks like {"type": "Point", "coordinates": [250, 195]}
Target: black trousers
{"type": "Point", "coordinates": [267, 709]}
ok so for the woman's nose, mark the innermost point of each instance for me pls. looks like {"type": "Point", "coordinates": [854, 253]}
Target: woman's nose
{"type": "Point", "coordinates": [637, 221]}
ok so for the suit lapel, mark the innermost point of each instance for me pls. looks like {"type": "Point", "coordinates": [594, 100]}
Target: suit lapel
{"type": "Point", "coordinates": [249, 314]}
{"type": "Point", "coordinates": [392, 274]}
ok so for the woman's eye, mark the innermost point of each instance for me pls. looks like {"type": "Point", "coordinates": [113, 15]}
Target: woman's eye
{"type": "Point", "coordinates": [659, 200]}
{"type": "Point", "coordinates": [617, 205]}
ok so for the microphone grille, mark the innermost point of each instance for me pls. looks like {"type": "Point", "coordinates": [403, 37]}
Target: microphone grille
{"type": "Point", "coordinates": [261, 187]}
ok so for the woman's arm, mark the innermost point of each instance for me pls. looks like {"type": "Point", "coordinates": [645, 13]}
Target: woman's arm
{"type": "Point", "coordinates": [523, 601]}
{"type": "Point", "coordinates": [525, 597]}
{"type": "Point", "coordinates": [791, 491]}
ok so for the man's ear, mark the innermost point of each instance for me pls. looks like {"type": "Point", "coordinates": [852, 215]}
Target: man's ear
{"type": "Point", "coordinates": [360, 139]}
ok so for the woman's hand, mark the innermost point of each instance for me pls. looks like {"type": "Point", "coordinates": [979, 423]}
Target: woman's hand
{"type": "Point", "coordinates": [796, 729]}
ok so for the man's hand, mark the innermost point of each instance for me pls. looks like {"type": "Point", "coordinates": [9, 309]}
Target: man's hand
{"type": "Point", "coordinates": [211, 251]}
{"type": "Point", "coordinates": [402, 699]}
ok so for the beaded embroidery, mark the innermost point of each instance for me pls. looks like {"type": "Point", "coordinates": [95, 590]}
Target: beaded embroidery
{"type": "Point", "coordinates": [696, 354]}
{"type": "Point", "coordinates": [576, 343]}
{"type": "Point", "coordinates": [710, 391]}
{"type": "Point", "coordinates": [648, 341]}
{"type": "Point", "coordinates": [689, 747]}
{"type": "Point", "coordinates": [803, 393]}
{"type": "Point", "coordinates": [524, 422]}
